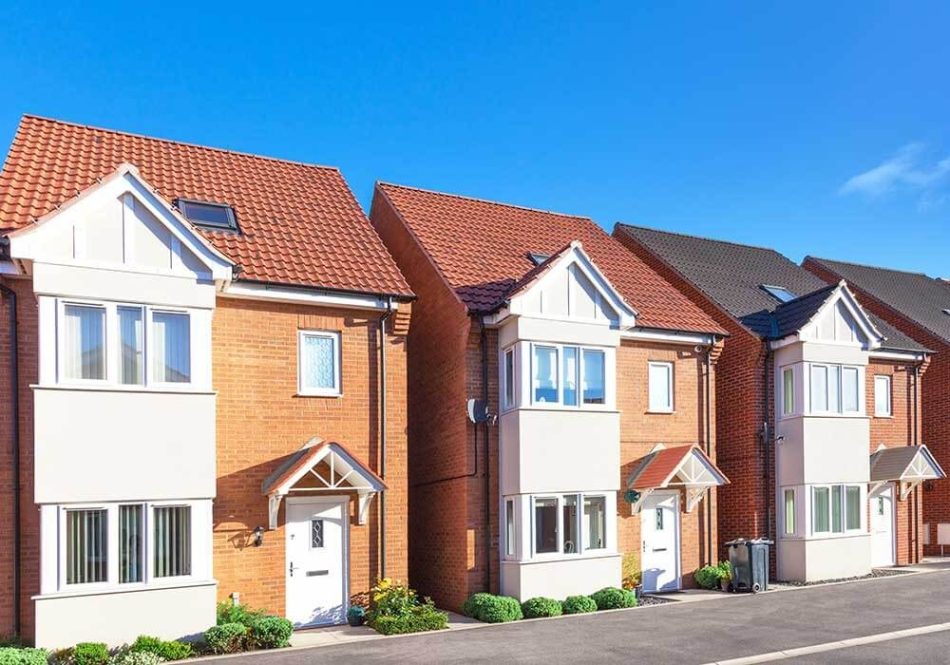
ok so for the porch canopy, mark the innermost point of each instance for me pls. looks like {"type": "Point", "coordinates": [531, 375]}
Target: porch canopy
{"type": "Point", "coordinates": [907, 465]}
{"type": "Point", "coordinates": [321, 467]}
{"type": "Point", "coordinates": [685, 467]}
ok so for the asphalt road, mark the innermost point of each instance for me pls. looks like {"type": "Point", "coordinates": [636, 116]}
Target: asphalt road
{"type": "Point", "coordinates": [690, 633]}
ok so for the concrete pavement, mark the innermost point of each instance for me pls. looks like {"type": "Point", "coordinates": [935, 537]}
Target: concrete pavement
{"type": "Point", "coordinates": [689, 633]}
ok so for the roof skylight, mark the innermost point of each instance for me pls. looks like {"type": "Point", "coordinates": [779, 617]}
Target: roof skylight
{"type": "Point", "coordinates": [213, 216]}
{"type": "Point", "coordinates": [538, 258]}
{"type": "Point", "coordinates": [778, 292]}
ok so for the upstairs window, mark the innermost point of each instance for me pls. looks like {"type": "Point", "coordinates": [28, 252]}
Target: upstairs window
{"type": "Point", "coordinates": [213, 216]}
{"type": "Point", "coordinates": [660, 380]}
{"type": "Point", "coordinates": [568, 375]}
{"type": "Point", "coordinates": [788, 391]}
{"type": "Point", "coordinates": [84, 342]}
{"type": "Point", "coordinates": [318, 363]}
{"type": "Point", "coordinates": [834, 389]}
{"type": "Point", "coordinates": [882, 396]}
{"type": "Point", "coordinates": [509, 378]}
{"type": "Point", "coordinates": [171, 347]}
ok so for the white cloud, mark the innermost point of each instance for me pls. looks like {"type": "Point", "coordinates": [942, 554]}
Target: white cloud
{"type": "Point", "coordinates": [909, 170]}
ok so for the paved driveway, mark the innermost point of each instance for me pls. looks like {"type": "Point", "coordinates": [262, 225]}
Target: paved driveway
{"type": "Point", "coordinates": [692, 633]}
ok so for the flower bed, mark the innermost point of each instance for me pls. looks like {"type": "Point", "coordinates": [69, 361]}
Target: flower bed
{"type": "Point", "coordinates": [395, 609]}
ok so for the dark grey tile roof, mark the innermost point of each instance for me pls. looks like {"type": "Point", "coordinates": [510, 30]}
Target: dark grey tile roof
{"type": "Point", "coordinates": [918, 297]}
{"type": "Point", "coordinates": [891, 463]}
{"type": "Point", "coordinates": [732, 275]}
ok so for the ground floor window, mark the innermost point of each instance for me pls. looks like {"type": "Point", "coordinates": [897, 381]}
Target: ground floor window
{"type": "Point", "coordinates": [567, 524]}
{"type": "Point", "coordinates": [122, 543]}
{"type": "Point", "coordinates": [836, 508]}
{"type": "Point", "coordinates": [789, 512]}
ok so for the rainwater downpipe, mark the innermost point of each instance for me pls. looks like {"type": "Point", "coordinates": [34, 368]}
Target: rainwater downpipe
{"type": "Point", "coordinates": [382, 434]}
{"type": "Point", "coordinates": [766, 439]}
{"type": "Point", "coordinates": [915, 439]}
{"type": "Point", "coordinates": [10, 295]}
{"type": "Point", "coordinates": [483, 340]}
{"type": "Point", "coordinates": [708, 433]}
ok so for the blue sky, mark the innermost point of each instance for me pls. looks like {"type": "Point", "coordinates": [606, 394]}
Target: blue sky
{"type": "Point", "coordinates": [819, 128]}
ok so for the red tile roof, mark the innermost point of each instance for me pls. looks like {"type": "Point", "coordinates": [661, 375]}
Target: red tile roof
{"type": "Point", "coordinates": [481, 248]}
{"type": "Point", "coordinates": [300, 224]}
{"type": "Point", "coordinates": [653, 470]}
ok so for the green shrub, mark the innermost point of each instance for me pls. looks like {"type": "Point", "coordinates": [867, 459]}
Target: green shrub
{"type": "Point", "coordinates": [578, 605]}
{"type": "Point", "coordinates": [90, 653]}
{"type": "Point", "coordinates": [128, 657]}
{"type": "Point", "coordinates": [419, 619]}
{"type": "Point", "coordinates": [12, 641]}
{"type": "Point", "coordinates": [271, 633]}
{"type": "Point", "coordinates": [226, 638]}
{"type": "Point", "coordinates": [492, 609]}
{"type": "Point", "coordinates": [228, 612]}
{"type": "Point", "coordinates": [534, 608]}
{"type": "Point", "coordinates": [15, 656]}
{"type": "Point", "coordinates": [612, 598]}
{"type": "Point", "coordinates": [709, 577]}
{"type": "Point", "coordinates": [164, 649]}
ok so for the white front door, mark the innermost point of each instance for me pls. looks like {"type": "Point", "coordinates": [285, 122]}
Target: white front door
{"type": "Point", "coordinates": [660, 531]}
{"type": "Point", "coordinates": [316, 561]}
{"type": "Point", "coordinates": [882, 526]}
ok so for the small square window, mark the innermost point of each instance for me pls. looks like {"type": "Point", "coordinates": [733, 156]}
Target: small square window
{"type": "Point", "coordinates": [318, 363]}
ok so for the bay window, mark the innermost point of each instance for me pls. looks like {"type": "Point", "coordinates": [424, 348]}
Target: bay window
{"type": "Point", "coordinates": [788, 391]}
{"type": "Point", "coordinates": [834, 389]}
{"type": "Point", "coordinates": [568, 524]}
{"type": "Point", "coordinates": [509, 528]}
{"type": "Point", "coordinates": [836, 508]}
{"type": "Point", "coordinates": [122, 544]}
{"type": "Point", "coordinates": [124, 344]}
{"type": "Point", "coordinates": [789, 495]}
{"type": "Point", "coordinates": [509, 400]}
{"type": "Point", "coordinates": [570, 376]}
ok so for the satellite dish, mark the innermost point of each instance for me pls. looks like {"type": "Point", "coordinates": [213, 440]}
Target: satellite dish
{"type": "Point", "coordinates": [478, 411]}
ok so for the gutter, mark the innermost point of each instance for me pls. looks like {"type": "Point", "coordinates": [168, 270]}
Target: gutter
{"type": "Point", "coordinates": [383, 320]}
{"type": "Point", "coordinates": [10, 295]}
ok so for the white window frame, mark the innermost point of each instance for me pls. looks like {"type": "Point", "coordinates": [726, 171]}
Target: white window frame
{"type": "Point", "coordinates": [785, 512]}
{"type": "Point", "coordinates": [886, 380]}
{"type": "Point", "coordinates": [112, 336]}
{"type": "Point", "coordinates": [670, 370]}
{"type": "Point", "coordinates": [61, 377]}
{"type": "Point", "coordinates": [511, 529]}
{"type": "Point", "coordinates": [786, 393]}
{"type": "Point", "coordinates": [581, 548]}
{"type": "Point", "coordinates": [840, 370]}
{"type": "Point", "coordinates": [337, 389]}
{"type": "Point", "coordinates": [559, 359]}
{"type": "Point", "coordinates": [845, 531]}
{"type": "Point", "coordinates": [149, 580]}
{"type": "Point", "coordinates": [509, 376]}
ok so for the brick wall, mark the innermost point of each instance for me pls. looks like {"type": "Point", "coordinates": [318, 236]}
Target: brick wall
{"type": "Point", "coordinates": [745, 506]}
{"type": "Point", "coordinates": [260, 419]}
{"type": "Point", "coordinates": [641, 431]}
{"type": "Point", "coordinates": [446, 486]}
{"type": "Point", "coordinates": [28, 347]}
{"type": "Point", "coordinates": [934, 400]}
{"type": "Point", "coordinates": [898, 430]}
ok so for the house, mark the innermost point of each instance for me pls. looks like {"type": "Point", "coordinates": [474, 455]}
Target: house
{"type": "Point", "coordinates": [918, 306]}
{"type": "Point", "coordinates": [560, 403]}
{"type": "Point", "coordinates": [818, 420]}
{"type": "Point", "coordinates": [208, 354]}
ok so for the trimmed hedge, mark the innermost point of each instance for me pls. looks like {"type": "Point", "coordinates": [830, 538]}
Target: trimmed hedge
{"type": "Point", "coordinates": [612, 598]}
{"type": "Point", "coordinates": [164, 649]}
{"type": "Point", "coordinates": [578, 605]}
{"type": "Point", "coordinates": [421, 619]}
{"type": "Point", "coordinates": [90, 653]}
{"type": "Point", "coordinates": [126, 657]}
{"type": "Point", "coordinates": [16, 656]}
{"type": "Point", "coordinates": [226, 638]}
{"type": "Point", "coordinates": [270, 633]}
{"type": "Point", "coordinates": [492, 609]}
{"type": "Point", "coordinates": [535, 608]}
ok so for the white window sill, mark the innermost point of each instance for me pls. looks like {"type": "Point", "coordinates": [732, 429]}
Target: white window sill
{"type": "Point", "coordinates": [111, 589]}
{"type": "Point", "coordinates": [854, 533]}
{"type": "Point", "coordinates": [564, 409]}
{"type": "Point", "coordinates": [315, 394]}
{"type": "Point", "coordinates": [670, 412]}
{"type": "Point", "coordinates": [557, 557]}
{"type": "Point", "coordinates": [164, 389]}
{"type": "Point", "coordinates": [884, 416]}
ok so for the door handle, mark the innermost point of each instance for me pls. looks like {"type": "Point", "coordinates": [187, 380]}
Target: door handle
{"type": "Point", "coordinates": [293, 568]}
{"type": "Point", "coordinates": [644, 546]}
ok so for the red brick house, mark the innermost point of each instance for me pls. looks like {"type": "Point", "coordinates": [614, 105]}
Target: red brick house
{"type": "Point", "coordinates": [589, 382]}
{"type": "Point", "coordinates": [209, 355]}
{"type": "Point", "coordinates": [818, 409]}
{"type": "Point", "coordinates": [918, 306]}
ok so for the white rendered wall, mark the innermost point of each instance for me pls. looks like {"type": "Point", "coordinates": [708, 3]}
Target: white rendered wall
{"type": "Point", "coordinates": [561, 578]}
